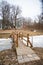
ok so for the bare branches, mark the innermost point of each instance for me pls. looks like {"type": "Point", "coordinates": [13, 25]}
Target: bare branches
{"type": "Point", "coordinates": [16, 11]}
{"type": "Point", "coordinates": [9, 14]}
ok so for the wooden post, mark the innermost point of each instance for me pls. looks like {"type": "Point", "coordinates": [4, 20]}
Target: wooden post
{"type": "Point", "coordinates": [19, 34]}
{"type": "Point", "coordinates": [27, 39]}
{"type": "Point", "coordinates": [17, 40]}
{"type": "Point", "coordinates": [22, 36]}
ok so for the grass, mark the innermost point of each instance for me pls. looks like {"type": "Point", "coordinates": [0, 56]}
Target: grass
{"type": "Point", "coordinates": [25, 32]}
{"type": "Point", "coordinates": [4, 35]}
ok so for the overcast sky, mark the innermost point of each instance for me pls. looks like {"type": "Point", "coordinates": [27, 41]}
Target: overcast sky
{"type": "Point", "coordinates": [30, 8]}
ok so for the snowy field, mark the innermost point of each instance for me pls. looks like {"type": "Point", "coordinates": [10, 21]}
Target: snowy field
{"type": "Point", "coordinates": [37, 41]}
{"type": "Point", "coordinates": [5, 44]}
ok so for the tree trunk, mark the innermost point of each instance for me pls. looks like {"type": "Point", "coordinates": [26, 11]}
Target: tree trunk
{"type": "Point", "coordinates": [15, 22]}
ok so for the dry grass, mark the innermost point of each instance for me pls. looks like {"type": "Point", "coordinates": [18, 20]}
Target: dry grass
{"type": "Point", "coordinates": [25, 32]}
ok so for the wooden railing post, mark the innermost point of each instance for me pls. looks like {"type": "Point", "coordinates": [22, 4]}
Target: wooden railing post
{"type": "Point", "coordinates": [21, 35]}
{"type": "Point", "coordinates": [17, 40]}
{"type": "Point", "coordinates": [27, 39]}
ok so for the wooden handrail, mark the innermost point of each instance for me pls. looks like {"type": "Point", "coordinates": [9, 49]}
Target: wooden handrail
{"type": "Point", "coordinates": [21, 35]}
{"type": "Point", "coordinates": [16, 36]}
{"type": "Point", "coordinates": [28, 41]}
{"type": "Point", "coordinates": [17, 40]}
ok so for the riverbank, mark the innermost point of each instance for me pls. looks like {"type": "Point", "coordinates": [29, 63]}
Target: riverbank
{"type": "Point", "coordinates": [8, 57]}
{"type": "Point", "coordinates": [25, 32]}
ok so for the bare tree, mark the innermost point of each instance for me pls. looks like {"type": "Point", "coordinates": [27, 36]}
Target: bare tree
{"type": "Point", "coordinates": [16, 11]}
{"type": "Point", "coordinates": [5, 12]}
{"type": "Point", "coordinates": [9, 14]}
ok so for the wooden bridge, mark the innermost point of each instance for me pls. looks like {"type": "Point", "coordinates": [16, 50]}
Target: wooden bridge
{"type": "Point", "coordinates": [24, 53]}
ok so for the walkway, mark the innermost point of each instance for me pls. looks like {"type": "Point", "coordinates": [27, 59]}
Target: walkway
{"type": "Point", "coordinates": [25, 54]}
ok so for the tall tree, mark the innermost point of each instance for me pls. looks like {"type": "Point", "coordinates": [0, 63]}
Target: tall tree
{"type": "Point", "coordinates": [5, 12]}
{"type": "Point", "coordinates": [16, 11]}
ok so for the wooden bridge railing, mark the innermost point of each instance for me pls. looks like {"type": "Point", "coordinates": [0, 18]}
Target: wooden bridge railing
{"type": "Point", "coordinates": [14, 36]}
{"type": "Point", "coordinates": [28, 41]}
{"type": "Point", "coordinates": [20, 35]}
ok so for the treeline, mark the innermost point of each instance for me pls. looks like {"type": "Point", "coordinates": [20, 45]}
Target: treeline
{"type": "Point", "coordinates": [9, 14]}
{"type": "Point", "coordinates": [33, 25]}
{"type": "Point", "coordinates": [11, 18]}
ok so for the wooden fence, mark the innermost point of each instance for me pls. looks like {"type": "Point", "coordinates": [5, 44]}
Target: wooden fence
{"type": "Point", "coordinates": [16, 36]}
{"type": "Point", "coordinates": [26, 40]}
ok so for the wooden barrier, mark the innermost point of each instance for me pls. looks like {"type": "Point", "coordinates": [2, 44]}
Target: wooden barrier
{"type": "Point", "coordinates": [16, 40]}
{"type": "Point", "coordinates": [21, 35]}
{"type": "Point", "coordinates": [28, 41]}
{"type": "Point", "coordinates": [16, 36]}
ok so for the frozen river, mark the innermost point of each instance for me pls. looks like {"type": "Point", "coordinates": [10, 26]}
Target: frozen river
{"type": "Point", "coordinates": [5, 44]}
{"type": "Point", "coordinates": [37, 41]}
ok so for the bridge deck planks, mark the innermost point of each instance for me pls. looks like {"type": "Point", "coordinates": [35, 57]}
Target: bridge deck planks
{"type": "Point", "coordinates": [24, 53]}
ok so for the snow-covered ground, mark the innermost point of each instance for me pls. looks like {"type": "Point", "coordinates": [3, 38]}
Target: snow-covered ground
{"type": "Point", "coordinates": [37, 41]}
{"type": "Point", "coordinates": [5, 44]}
